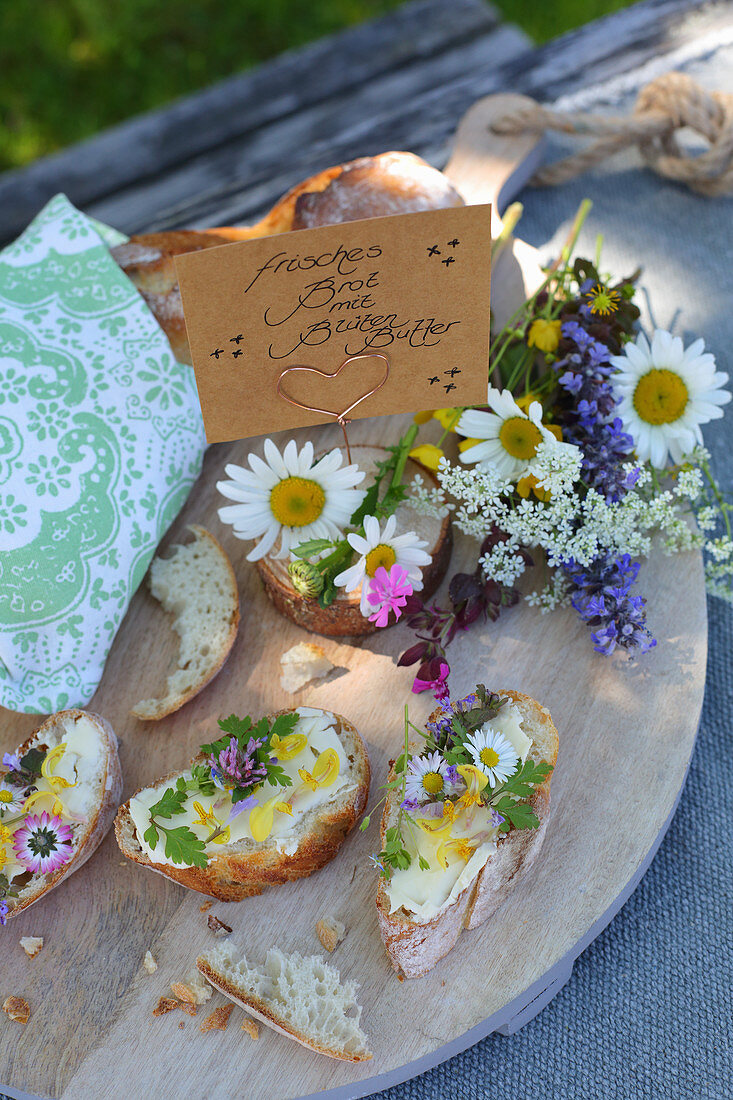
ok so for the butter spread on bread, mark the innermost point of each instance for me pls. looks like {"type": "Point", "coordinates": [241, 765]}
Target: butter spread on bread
{"type": "Point", "coordinates": [425, 893]}
{"type": "Point", "coordinates": [317, 728]}
{"type": "Point", "coordinates": [69, 771]}
{"type": "Point", "coordinates": [267, 803]}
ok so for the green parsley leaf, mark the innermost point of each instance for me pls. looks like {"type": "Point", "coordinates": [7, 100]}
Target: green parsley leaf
{"type": "Point", "coordinates": [172, 802]}
{"type": "Point", "coordinates": [311, 547]}
{"type": "Point", "coordinates": [30, 764]}
{"type": "Point", "coordinates": [284, 724]}
{"type": "Point", "coordinates": [150, 836]}
{"type": "Point", "coordinates": [183, 846]}
{"type": "Point", "coordinates": [424, 865]}
{"type": "Point", "coordinates": [520, 814]}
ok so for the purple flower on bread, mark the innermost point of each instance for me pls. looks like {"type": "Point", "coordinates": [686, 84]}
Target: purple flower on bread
{"type": "Point", "coordinates": [12, 760]}
{"type": "Point", "coordinates": [3, 911]}
{"type": "Point", "coordinates": [235, 766]}
{"type": "Point", "coordinates": [43, 843]}
{"type": "Point", "coordinates": [239, 807]}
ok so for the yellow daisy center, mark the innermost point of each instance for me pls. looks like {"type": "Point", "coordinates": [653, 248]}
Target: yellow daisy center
{"type": "Point", "coordinates": [660, 397]}
{"type": "Point", "coordinates": [382, 554]}
{"type": "Point", "coordinates": [519, 437]}
{"type": "Point", "coordinates": [5, 796]}
{"type": "Point", "coordinates": [297, 501]}
{"type": "Point", "coordinates": [489, 757]}
{"type": "Point", "coordinates": [432, 782]}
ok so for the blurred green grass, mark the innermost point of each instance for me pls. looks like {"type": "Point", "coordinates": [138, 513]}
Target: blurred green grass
{"type": "Point", "coordinates": [69, 68]}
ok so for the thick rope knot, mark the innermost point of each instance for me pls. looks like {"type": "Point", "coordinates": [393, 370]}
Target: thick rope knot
{"type": "Point", "coordinates": [670, 103]}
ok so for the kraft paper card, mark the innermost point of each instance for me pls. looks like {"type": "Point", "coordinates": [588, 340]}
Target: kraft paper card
{"type": "Point", "coordinates": [367, 318]}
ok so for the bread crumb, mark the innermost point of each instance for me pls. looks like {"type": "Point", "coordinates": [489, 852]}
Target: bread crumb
{"type": "Point", "coordinates": [124, 863]}
{"type": "Point", "coordinates": [206, 906]}
{"type": "Point", "coordinates": [165, 1004]}
{"type": "Point", "coordinates": [217, 926]}
{"type": "Point", "coordinates": [219, 1019]}
{"type": "Point", "coordinates": [189, 1009]}
{"type": "Point", "coordinates": [330, 932]}
{"type": "Point", "coordinates": [182, 1023]}
{"type": "Point", "coordinates": [31, 945]}
{"type": "Point", "coordinates": [149, 963]}
{"type": "Point", "coordinates": [194, 989]}
{"type": "Point", "coordinates": [16, 1008]}
{"type": "Point", "coordinates": [250, 1027]}
{"type": "Point", "coordinates": [301, 664]}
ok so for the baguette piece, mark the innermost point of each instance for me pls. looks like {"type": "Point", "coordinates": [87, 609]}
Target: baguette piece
{"type": "Point", "coordinates": [195, 583]}
{"type": "Point", "coordinates": [370, 187]}
{"type": "Point", "coordinates": [243, 868]}
{"type": "Point", "coordinates": [415, 947]}
{"type": "Point", "coordinates": [100, 790]}
{"type": "Point", "coordinates": [301, 997]}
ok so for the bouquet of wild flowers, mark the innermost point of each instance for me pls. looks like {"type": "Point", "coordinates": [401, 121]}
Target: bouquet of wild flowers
{"type": "Point", "coordinates": [588, 448]}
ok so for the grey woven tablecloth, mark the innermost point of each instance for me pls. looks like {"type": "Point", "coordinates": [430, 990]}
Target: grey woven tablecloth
{"type": "Point", "coordinates": [646, 1014]}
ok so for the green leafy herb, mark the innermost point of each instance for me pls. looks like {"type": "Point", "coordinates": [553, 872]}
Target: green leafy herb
{"type": "Point", "coordinates": [172, 802]}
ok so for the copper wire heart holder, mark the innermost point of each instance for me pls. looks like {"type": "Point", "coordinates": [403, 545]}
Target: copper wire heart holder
{"type": "Point", "coordinates": [341, 418]}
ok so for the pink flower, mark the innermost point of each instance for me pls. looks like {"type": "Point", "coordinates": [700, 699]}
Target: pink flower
{"type": "Point", "coordinates": [43, 844]}
{"type": "Point", "coordinates": [432, 676]}
{"type": "Point", "coordinates": [388, 592]}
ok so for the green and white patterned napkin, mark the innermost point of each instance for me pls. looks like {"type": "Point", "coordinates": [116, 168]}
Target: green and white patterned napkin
{"type": "Point", "coordinates": [101, 439]}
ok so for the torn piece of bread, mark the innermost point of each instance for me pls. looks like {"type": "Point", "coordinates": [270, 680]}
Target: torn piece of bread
{"type": "Point", "coordinates": [85, 758]}
{"type": "Point", "coordinates": [192, 989]}
{"type": "Point", "coordinates": [149, 963]}
{"type": "Point", "coordinates": [32, 945]}
{"type": "Point", "coordinates": [302, 998]}
{"type": "Point", "coordinates": [218, 1020]}
{"type": "Point", "coordinates": [298, 841]}
{"type": "Point", "coordinates": [250, 1027]}
{"type": "Point", "coordinates": [330, 932]}
{"type": "Point", "coordinates": [196, 583]}
{"type": "Point", "coordinates": [421, 918]}
{"type": "Point", "coordinates": [17, 1008]}
{"type": "Point", "coordinates": [301, 664]}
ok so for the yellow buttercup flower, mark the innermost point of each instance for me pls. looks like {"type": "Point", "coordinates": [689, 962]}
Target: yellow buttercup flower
{"type": "Point", "coordinates": [262, 818]}
{"type": "Point", "coordinates": [544, 335]}
{"type": "Point", "coordinates": [524, 402]}
{"type": "Point", "coordinates": [5, 837]}
{"type": "Point", "coordinates": [528, 484]}
{"type": "Point", "coordinates": [434, 826]}
{"type": "Point", "coordinates": [325, 770]}
{"type": "Point", "coordinates": [209, 820]}
{"type": "Point", "coordinates": [475, 780]}
{"type": "Point", "coordinates": [459, 845]}
{"type": "Point", "coordinates": [448, 418]}
{"type": "Point", "coordinates": [428, 455]}
{"type": "Point", "coordinates": [287, 748]}
{"type": "Point", "coordinates": [466, 443]}
{"type": "Point", "coordinates": [423, 417]}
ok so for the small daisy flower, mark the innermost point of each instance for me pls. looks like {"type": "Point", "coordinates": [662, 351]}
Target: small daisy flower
{"type": "Point", "coordinates": [493, 754]}
{"type": "Point", "coordinates": [667, 391]}
{"type": "Point", "coordinates": [43, 844]}
{"type": "Point", "coordinates": [11, 799]}
{"type": "Point", "coordinates": [427, 776]}
{"type": "Point", "coordinates": [383, 548]}
{"type": "Point", "coordinates": [508, 437]}
{"type": "Point", "coordinates": [290, 497]}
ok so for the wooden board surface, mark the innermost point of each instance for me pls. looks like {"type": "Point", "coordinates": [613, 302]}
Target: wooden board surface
{"type": "Point", "coordinates": [626, 734]}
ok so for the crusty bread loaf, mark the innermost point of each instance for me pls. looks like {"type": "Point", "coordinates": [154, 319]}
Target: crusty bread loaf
{"type": "Point", "coordinates": [196, 583]}
{"type": "Point", "coordinates": [370, 187]}
{"type": "Point", "coordinates": [301, 997]}
{"type": "Point", "coordinates": [413, 947]}
{"type": "Point", "coordinates": [102, 796]}
{"type": "Point", "coordinates": [244, 868]}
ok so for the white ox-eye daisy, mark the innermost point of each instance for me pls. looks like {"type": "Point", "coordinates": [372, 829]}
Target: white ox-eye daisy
{"type": "Point", "coordinates": [290, 497]}
{"type": "Point", "coordinates": [667, 391]}
{"type": "Point", "coordinates": [507, 438]}
{"type": "Point", "coordinates": [493, 753]}
{"type": "Point", "coordinates": [382, 547]}
{"type": "Point", "coordinates": [11, 799]}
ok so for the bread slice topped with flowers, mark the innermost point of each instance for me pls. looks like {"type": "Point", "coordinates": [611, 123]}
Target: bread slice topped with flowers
{"type": "Point", "coordinates": [59, 792]}
{"type": "Point", "coordinates": [465, 815]}
{"type": "Point", "coordinates": [267, 802]}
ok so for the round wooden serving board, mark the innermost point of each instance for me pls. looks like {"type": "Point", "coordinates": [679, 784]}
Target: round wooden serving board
{"type": "Point", "coordinates": [626, 736]}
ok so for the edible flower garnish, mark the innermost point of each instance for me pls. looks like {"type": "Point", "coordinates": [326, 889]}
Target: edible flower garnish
{"type": "Point", "coordinates": [325, 770]}
{"type": "Point", "coordinates": [262, 818]}
{"type": "Point", "coordinates": [446, 793]}
{"type": "Point", "coordinates": [209, 820]}
{"type": "Point", "coordinates": [43, 844]}
{"type": "Point", "coordinates": [49, 786]}
{"type": "Point", "coordinates": [287, 748]}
